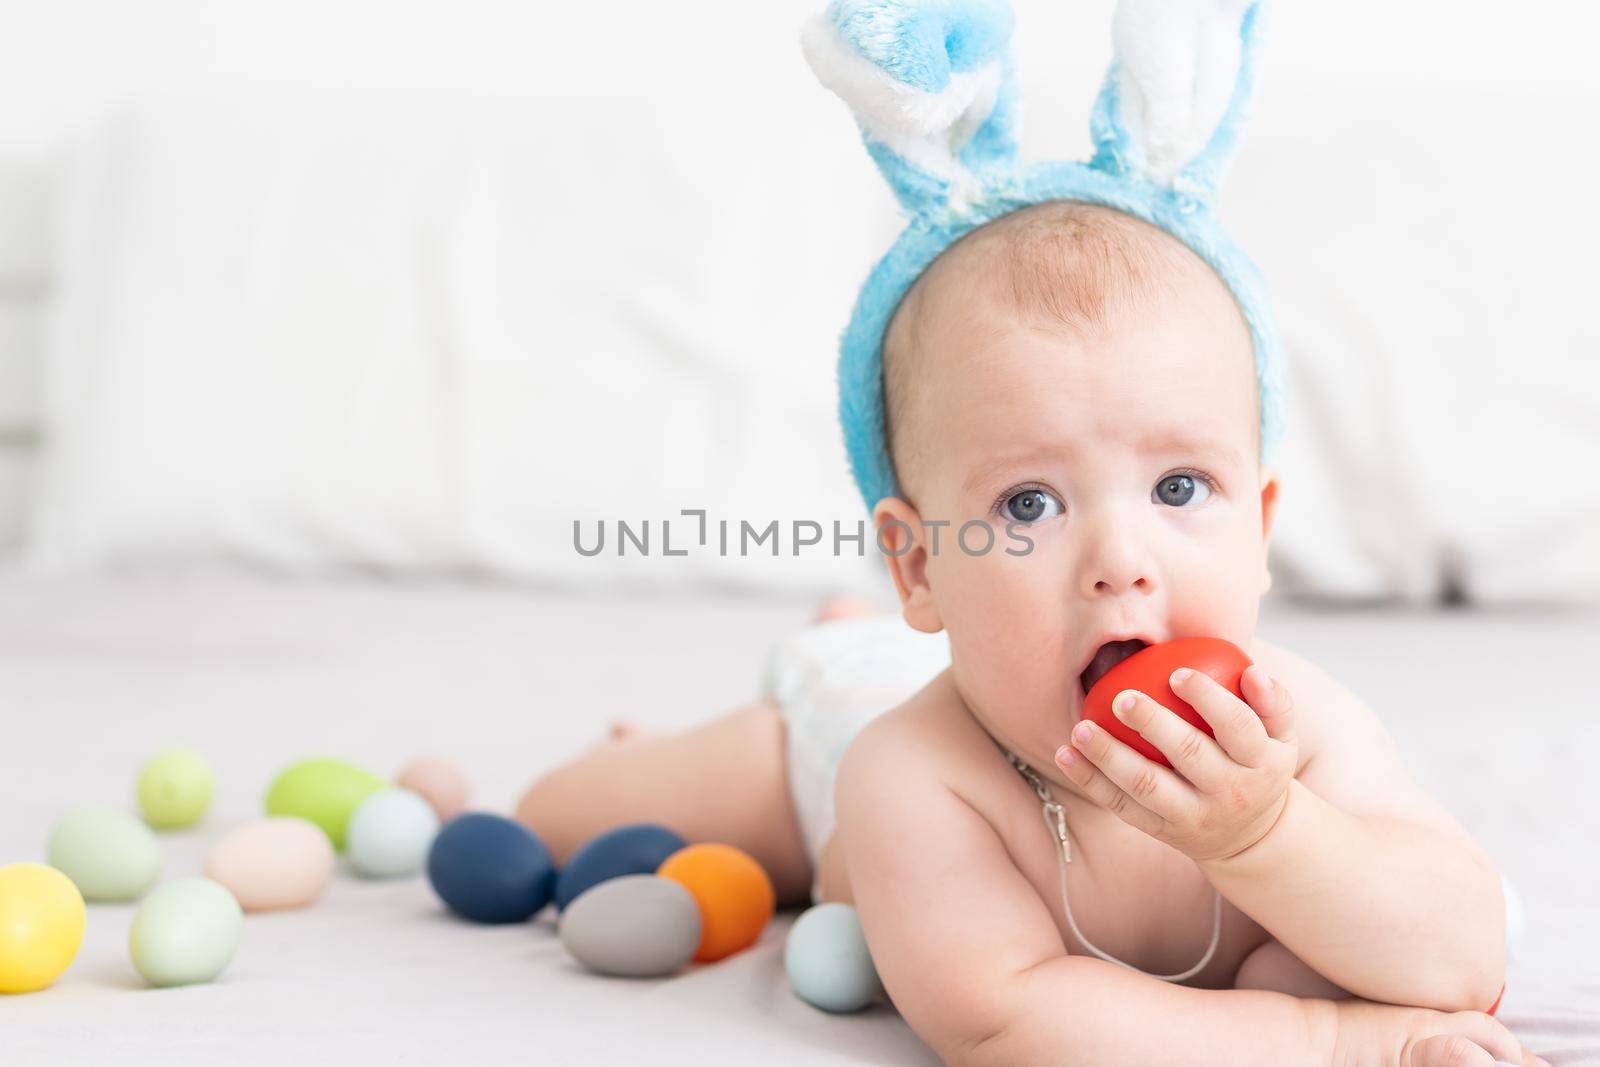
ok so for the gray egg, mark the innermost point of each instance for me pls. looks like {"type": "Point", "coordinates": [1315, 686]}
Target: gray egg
{"type": "Point", "coordinates": [635, 926]}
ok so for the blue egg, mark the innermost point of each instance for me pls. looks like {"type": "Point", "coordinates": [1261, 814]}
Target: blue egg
{"type": "Point", "coordinates": [636, 849]}
{"type": "Point", "coordinates": [828, 962]}
{"type": "Point", "coordinates": [490, 869]}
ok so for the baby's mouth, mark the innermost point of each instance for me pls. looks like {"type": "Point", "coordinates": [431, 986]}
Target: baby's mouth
{"type": "Point", "coordinates": [1107, 656]}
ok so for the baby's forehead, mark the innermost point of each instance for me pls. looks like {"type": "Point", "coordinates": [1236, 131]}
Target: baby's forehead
{"type": "Point", "coordinates": [1061, 303]}
{"type": "Point", "coordinates": [1115, 291]}
{"type": "Point", "coordinates": [1082, 265]}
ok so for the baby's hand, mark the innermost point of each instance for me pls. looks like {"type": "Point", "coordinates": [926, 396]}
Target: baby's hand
{"type": "Point", "coordinates": [1222, 795]}
{"type": "Point", "coordinates": [1387, 1036]}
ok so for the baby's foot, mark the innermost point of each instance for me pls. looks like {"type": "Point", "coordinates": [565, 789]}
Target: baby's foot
{"type": "Point", "coordinates": [844, 606]}
{"type": "Point", "coordinates": [617, 731]}
{"type": "Point", "coordinates": [621, 729]}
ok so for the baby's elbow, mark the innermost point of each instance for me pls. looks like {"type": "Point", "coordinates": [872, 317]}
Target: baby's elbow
{"type": "Point", "coordinates": [1469, 972]}
{"type": "Point", "coordinates": [1483, 970]}
{"type": "Point", "coordinates": [1470, 980]}
{"type": "Point", "coordinates": [1482, 986]}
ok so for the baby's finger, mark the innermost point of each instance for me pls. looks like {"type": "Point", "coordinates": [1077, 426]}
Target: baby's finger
{"type": "Point", "coordinates": [1448, 1050]}
{"type": "Point", "coordinates": [1145, 781]}
{"type": "Point", "coordinates": [1489, 1033]}
{"type": "Point", "coordinates": [1484, 1033]}
{"type": "Point", "coordinates": [1103, 792]}
{"type": "Point", "coordinates": [1238, 728]}
{"type": "Point", "coordinates": [1191, 752]}
{"type": "Point", "coordinates": [1271, 701]}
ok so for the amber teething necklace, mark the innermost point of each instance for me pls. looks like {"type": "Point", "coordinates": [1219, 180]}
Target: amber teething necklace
{"type": "Point", "coordinates": [1055, 820]}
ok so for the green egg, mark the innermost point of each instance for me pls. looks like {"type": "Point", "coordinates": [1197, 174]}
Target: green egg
{"type": "Point", "coordinates": [175, 789]}
{"type": "Point", "coordinates": [323, 791]}
{"type": "Point", "coordinates": [108, 853]}
{"type": "Point", "coordinates": [185, 932]}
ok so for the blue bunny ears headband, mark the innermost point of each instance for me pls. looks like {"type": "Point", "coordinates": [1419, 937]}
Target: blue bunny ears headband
{"type": "Point", "coordinates": [933, 89]}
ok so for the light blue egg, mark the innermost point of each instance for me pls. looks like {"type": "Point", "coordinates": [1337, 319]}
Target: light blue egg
{"type": "Point", "coordinates": [390, 834]}
{"type": "Point", "coordinates": [828, 962]}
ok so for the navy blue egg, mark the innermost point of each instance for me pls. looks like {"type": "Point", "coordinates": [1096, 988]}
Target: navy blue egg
{"type": "Point", "coordinates": [636, 849]}
{"type": "Point", "coordinates": [490, 869]}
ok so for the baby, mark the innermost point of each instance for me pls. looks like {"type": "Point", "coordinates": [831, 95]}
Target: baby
{"type": "Point", "coordinates": [1082, 383]}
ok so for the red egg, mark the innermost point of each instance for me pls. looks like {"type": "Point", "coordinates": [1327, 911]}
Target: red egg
{"type": "Point", "coordinates": [1148, 669]}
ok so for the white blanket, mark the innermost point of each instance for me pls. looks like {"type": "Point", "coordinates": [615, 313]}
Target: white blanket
{"type": "Point", "coordinates": [1492, 712]}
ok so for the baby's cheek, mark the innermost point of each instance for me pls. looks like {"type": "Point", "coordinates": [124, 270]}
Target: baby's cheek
{"type": "Point", "coordinates": [1216, 599]}
{"type": "Point", "coordinates": [1008, 619]}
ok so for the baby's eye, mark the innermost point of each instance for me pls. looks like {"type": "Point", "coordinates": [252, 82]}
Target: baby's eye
{"type": "Point", "coordinates": [1030, 506]}
{"type": "Point", "coordinates": [1181, 491]}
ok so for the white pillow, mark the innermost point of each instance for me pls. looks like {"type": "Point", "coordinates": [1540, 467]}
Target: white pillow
{"type": "Point", "coordinates": [426, 334]}
{"type": "Point", "coordinates": [1433, 257]}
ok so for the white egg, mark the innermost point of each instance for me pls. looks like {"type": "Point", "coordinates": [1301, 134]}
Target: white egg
{"type": "Point", "coordinates": [1515, 919]}
{"type": "Point", "coordinates": [390, 834]}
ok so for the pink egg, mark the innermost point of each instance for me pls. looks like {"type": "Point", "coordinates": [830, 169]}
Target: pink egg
{"type": "Point", "coordinates": [442, 783]}
{"type": "Point", "coordinates": [272, 863]}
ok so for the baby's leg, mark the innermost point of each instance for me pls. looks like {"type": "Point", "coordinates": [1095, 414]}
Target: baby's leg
{"type": "Point", "coordinates": [724, 780]}
{"type": "Point", "coordinates": [1273, 967]}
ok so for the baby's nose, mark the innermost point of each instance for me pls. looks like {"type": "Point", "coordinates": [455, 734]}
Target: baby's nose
{"type": "Point", "coordinates": [1114, 563]}
{"type": "Point", "coordinates": [1115, 584]}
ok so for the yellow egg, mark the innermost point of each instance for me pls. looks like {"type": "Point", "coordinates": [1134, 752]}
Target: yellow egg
{"type": "Point", "coordinates": [41, 926]}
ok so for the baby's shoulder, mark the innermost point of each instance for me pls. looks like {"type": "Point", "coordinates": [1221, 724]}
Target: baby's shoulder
{"type": "Point", "coordinates": [929, 736]}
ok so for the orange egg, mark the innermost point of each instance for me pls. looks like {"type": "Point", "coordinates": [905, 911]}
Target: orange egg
{"type": "Point", "coordinates": [734, 894]}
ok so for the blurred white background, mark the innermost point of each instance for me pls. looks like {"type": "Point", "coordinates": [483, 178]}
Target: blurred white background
{"type": "Point", "coordinates": [343, 289]}
{"type": "Point", "coordinates": [402, 289]}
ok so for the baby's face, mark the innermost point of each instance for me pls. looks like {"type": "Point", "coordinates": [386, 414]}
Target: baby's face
{"type": "Point", "coordinates": [1126, 454]}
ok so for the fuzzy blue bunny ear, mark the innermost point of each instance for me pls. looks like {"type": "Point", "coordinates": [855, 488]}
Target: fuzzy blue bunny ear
{"type": "Point", "coordinates": [932, 88]}
{"type": "Point", "coordinates": [1178, 91]}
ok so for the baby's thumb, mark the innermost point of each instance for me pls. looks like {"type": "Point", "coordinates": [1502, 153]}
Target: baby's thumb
{"type": "Point", "coordinates": [1449, 1050]}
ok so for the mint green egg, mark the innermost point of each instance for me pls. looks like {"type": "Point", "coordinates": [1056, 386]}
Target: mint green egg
{"type": "Point", "coordinates": [107, 852]}
{"type": "Point", "coordinates": [185, 932]}
{"type": "Point", "coordinates": [175, 788]}
{"type": "Point", "coordinates": [325, 792]}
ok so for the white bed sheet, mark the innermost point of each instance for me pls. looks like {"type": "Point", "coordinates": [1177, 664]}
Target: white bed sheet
{"type": "Point", "coordinates": [1494, 712]}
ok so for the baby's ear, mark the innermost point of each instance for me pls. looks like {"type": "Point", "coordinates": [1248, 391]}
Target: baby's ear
{"type": "Point", "coordinates": [897, 528]}
{"type": "Point", "coordinates": [1178, 91]}
{"type": "Point", "coordinates": [1270, 489]}
{"type": "Point", "coordinates": [932, 89]}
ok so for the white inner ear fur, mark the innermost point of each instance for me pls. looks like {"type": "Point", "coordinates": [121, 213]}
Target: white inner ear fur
{"type": "Point", "coordinates": [925, 129]}
{"type": "Point", "coordinates": [1178, 61]}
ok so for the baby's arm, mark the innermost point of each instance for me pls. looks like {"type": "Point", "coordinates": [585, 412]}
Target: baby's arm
{"type": "Point", "coordinates": [973, 960]}
{"type": "Point", "coordinates": [1365, 877]}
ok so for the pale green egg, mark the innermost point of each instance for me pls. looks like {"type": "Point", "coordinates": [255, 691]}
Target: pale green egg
{"type": "Point", "coordinates": [185, 932]}
{"type": "Point", "coordinates": [108, 853]}
{"type": "Point", "coordinates": [175, 788]}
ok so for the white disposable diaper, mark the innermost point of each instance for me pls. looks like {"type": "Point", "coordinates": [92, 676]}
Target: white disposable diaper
{"type": "Point", "coordinates": [830, 679]}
